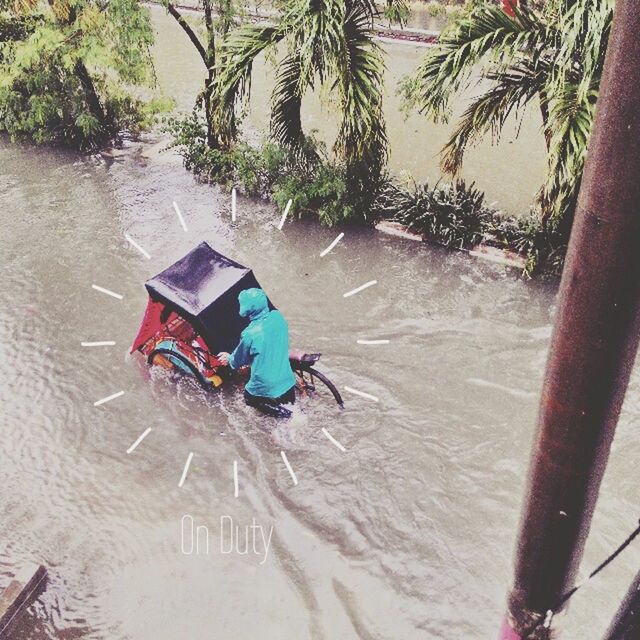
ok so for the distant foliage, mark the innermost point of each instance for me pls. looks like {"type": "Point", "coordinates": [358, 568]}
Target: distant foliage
{"type": "Point", "coordinates": [453, 215]}
{"type": "Point", "coordinates": [435, 9]}
{"type": "Point", "coordinates": [66, 69]}
{"type": "Point", "coordinates": [547, 54]}
{"type": "Point", "coordinates": [316, 44]}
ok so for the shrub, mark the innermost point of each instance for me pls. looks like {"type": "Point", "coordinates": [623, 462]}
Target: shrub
{"type": "Point", "coordinates": [312, 183]}
{"type": "Point", "coordinates": [436, 9]}
{"type": "Point", "coordinates": [450, 214]}
{"type": "Point", "coordinates": [455, 215]}
{"type": "Point", "coordinates": [544, 248]}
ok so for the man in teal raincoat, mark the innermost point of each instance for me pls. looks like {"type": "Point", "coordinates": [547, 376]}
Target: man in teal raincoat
{"type": "Point", "coordinates": [264, 346]}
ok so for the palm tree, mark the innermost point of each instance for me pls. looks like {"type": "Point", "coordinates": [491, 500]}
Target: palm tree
{"type": "Point", "coordinates": [327, 41]}
{"type": "Point", "coordinates": [552, 55]}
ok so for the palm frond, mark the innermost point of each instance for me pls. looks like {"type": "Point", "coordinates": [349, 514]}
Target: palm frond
{"type": "Point", "coordinates": [485, 34]}
{"type": "Point", "coordinates": [359, 70]}
{"type": "Point", "coordinates": [396, 12]}
{"type": "Point", "coordinates": [512, 89]}
{"type": "Point", "coordinates": [573, 92]}
{"type": "Point", "coordinates": [572, 112]}
{"type": "Point", "coordinates": [286, 100]}
{"type": "Point", "coordinates": [316, 30]}
{"type": "Point", "coordinates": [368, 8]}
{"type": "Point", "coordinates": [585, 26]}
{"type": "Point", "coordinates": [556, 55]}
{"type": "Point", "coordinates": [233, 73]}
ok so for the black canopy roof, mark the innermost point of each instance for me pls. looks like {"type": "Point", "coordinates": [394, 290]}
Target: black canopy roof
{"type": "Point", "coordinates": [203, 287]}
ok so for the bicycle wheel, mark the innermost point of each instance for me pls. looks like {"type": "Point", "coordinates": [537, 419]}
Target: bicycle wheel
{"type": "Point", "coordinates": [180, 363]}
{"type": "Point", "coordinates": [314, 373]}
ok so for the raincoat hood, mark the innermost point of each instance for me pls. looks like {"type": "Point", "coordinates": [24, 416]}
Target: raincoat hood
{"type": "Point", "coordinates": [253, 303]}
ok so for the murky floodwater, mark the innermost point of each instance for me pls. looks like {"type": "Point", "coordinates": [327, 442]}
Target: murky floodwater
{"type": "Point", "coordinates": [407, 534]}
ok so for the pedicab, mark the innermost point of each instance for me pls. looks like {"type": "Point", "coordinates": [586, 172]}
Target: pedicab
{"type": "Point", "coordinates": [192, 315]}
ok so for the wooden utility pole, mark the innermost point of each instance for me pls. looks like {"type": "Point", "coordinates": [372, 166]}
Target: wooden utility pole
{"type": "Point", "coordinates": [593, 346]}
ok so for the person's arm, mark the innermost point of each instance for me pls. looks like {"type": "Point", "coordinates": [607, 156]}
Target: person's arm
{"type": "Point", "coordinates": [241, 355]}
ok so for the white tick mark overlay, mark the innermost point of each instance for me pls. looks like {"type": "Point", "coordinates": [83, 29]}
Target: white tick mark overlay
{"type": "Point", "coordinates": [113, 294]}
{"type": "Point", "coordinates": [235, 478]}
{"type": "Point", "coordinates": [368, 396]}
{"type": "Point", "coordinates": [285, 213]}
{"type": "Point", "coordinates": [113, 396]}
{"type": "Point", "coordinates": [362, 287]}
{"type": "Point", "coordinates": [332, 245]}
{"type": "Point", "coordinates": [372, 341]}
{"type": "Point", "coordinates": [289, 469]}
{"type": "Point", "coordinates": [135, 245]}
{"type": "Point", "coordinates": [146, 432]}
{"type": "Point", "coordinates": [103, 343]}
{"type": "Point", "coordinates": [332, 439]}
{"type": "Point", "coordinates": [179, 214]}
{"type": "Point", "coordinates": [185, 471]}
{"type": "Point", "coordinates": [233, 204]}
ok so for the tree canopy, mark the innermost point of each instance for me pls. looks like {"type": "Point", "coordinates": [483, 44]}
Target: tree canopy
{"type": "Point", "coordinates": [67, 67]}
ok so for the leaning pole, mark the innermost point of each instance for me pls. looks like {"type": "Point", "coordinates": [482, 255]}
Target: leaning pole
{"type": "Point", "coordinates": [593, 346]}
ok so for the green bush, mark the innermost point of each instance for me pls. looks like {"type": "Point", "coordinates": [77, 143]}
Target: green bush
{"type": "Point", "coordinates": [450, 214]}
{"type": "Point", "coordinates": [314, 185]}
{"type": "Point", "coordinates": [455, 215]}
{"type": "Point", "coordinates": [544, 248]}
{"type": "Point", "coordinates": [321, 190]}
{"type": "Point", "coordinates": [436, 9]}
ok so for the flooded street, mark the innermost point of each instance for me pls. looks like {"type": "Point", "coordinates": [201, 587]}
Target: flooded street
{"type": "Point", "coordinates": [407, 534]}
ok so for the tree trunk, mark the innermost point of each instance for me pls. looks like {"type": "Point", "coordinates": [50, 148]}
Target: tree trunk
{"type": "Point", "coordinates": [91, 95]}
{"type": "Point", "coordinates": [189, 31]}
{"type": "Point", "coordinates": [211, 61]}
{"type": "Point", "coordinates": [82, 73]}
{"type": "Point", "coordinates": [206, 99]}
{"type": "Point", "coordinates": [208, 57]}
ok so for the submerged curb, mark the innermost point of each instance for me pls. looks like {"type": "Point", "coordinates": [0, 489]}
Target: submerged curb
{"type": "Point", "coordinates": [481, 251]}
{"type": "Point", "coordinates": [24, 587]}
